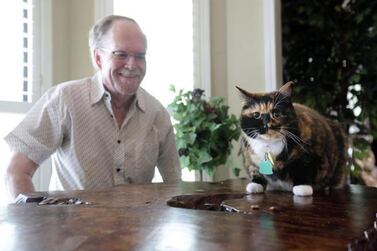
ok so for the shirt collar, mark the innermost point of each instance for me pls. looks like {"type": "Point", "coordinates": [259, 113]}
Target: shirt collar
{"type": "Point", "coordinates": [140, 99]}
{"type": "Point", "coordinates": [98, 91]}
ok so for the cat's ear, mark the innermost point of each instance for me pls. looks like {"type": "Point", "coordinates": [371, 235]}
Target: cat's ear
{"type": "Point", "coordinates": [245, 95]}
{"type": "Point", "coordinates": [287, 88]}
{"type": "Point", "coordinates": [242, 91]}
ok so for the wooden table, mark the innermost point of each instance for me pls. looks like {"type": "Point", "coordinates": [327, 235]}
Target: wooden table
{"type": "Point", "coordinates": [137, 217]}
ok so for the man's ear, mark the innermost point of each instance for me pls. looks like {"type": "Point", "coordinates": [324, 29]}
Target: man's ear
{"type": "Point", "coordinates": [287, 88]}
{"type": "Point", "coordinates": [97, 58]}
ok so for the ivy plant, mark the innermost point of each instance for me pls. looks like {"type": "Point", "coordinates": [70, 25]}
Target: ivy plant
{"type": "Point", "coordinates": [204, 130]}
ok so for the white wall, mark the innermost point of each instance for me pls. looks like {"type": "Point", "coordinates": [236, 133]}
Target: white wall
{"type": "Point", "coordinates": [71, 23]}
{"type": "Point", "coordinates": [237, 49]}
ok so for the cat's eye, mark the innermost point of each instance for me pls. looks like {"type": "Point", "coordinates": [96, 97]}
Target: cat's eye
{"type": "Point", "coordinates": [256, 115]}
{"type": "Point", "coordinates": [278, 114]}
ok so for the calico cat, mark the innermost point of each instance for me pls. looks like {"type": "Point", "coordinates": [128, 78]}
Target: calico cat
{"type": "Point", "coordinates": [288, 146]}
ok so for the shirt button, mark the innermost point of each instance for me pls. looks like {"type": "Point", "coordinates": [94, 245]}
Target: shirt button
{"type": "Point", "coordinates": [118, 141]}
{"type": "Point", "coordinates": [118, 169]}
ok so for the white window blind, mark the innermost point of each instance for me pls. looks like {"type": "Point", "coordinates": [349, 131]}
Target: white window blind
{"type": "Point", "coordinates": [16, 84]}
{"type": "Point", "coordinates": [20, 83]}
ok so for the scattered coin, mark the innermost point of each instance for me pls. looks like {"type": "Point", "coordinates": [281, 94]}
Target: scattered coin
{"type": "Point", "coordinates": [274, 209]}
{"type": "Point", "coordinates": [200, 190]}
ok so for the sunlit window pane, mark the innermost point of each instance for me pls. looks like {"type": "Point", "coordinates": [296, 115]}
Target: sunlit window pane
{"type": "Point", "coordinates": [168, 25]}
{"type": "Point", "coordinates": [16, 46]}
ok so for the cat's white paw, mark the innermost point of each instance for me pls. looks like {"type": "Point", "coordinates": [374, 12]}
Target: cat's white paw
{"type": "Point", "coordinates": [254, 188]}
{"type": "Point", "coordinates": [302, 200]}
{"type": "Point", "coordinates": [303, 190]}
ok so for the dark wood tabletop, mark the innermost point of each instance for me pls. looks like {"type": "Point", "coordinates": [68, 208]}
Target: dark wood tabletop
{"type": "Point", "coordinates": [138, 217]}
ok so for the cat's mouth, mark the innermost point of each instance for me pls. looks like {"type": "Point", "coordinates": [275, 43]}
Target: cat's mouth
{"type": "Point", "coordinates": [270, 137]}
{"type": "Point", "coordinates": [271, 134]}
{"type": "Point", "coordinates": [264, 132]}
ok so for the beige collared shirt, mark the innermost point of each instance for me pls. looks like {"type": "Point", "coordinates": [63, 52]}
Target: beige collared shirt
{"type": "Point", "coordinates": [74, 123]}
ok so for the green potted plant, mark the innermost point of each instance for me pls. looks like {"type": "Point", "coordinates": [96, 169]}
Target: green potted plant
{"type": "Point", "coordinates": [204, 130]}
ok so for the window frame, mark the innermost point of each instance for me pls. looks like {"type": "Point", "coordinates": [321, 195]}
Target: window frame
{"type": "Point", "coordinates": [41, 59]}
{"type": "Point", "coordinates": [41, 75]}
{"type": "Point", "coordinates": [273, 71]}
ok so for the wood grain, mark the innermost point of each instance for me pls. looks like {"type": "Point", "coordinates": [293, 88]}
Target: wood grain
{"type": "Point", "coordinates": [137, 217]}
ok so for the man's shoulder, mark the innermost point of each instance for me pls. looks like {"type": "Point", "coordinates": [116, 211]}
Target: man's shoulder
{"type": "Point", "coordinates": [149, 101]}
{"type": "Point", "coordinates": [74, 84]}
{"type": "Point", "coordinates": [154, 109]}
{"type": "Point", "coordinates": [66, 92]}
{"type": "Point", "coordinates": [69, 88]}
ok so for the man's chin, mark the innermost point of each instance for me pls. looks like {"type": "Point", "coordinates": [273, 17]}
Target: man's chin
{"type": "Point", "coordinates": [128, 86]}
{"type": "Point", "coordinates": [129, 91]}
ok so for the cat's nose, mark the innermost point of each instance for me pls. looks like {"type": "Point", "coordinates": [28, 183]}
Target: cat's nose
{"type": "Point", "coordinates": [265, 118]}
{"type": "Point", "coordinates": [263, 129]}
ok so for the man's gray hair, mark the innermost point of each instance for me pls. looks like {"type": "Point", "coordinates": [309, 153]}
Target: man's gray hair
{"type": "Point", "coordinates": [100, 29]}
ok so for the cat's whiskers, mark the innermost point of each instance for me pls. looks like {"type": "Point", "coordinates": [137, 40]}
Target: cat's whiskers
{"type": "Point", "coordinates": [288, 128]}
{"type": "Point", "coordinates": [251, 132]}
{"type": "Point", "coordinates": [295, 138]}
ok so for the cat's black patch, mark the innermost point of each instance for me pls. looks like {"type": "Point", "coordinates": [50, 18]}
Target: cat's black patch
{"type": "Point", "coordinates": [259, 180]}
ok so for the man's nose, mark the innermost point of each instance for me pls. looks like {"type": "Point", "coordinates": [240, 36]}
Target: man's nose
{"type": "Point", "coordinates": [131, 62]}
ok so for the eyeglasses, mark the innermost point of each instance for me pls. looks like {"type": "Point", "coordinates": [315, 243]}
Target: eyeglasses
{"type": "Point", "coordinates": [125, 56]}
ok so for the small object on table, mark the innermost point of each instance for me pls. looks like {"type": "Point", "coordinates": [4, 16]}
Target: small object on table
{"type": "Point", "coordinates": [254, 207]}
{"type": "Point", "coordinates": [23, 198]}
{"type": "Point", "coordinates": [63, 201]}
{"type": "Point", "coordinates": [274, 209]}
{"type": "Point", "coordinates": [368, 242]}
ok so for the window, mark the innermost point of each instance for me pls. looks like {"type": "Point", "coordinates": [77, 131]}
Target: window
{"type": "Point", "coordinates": [172, 47]}
{"type": "Point", "coordinates": [16, 84]}
{"type": "Point", "coordinates": [17, 49]}
{"type": "Point", "coordinates": [170, 43]}
{"type": "Point", "coordinates": [20, 83]}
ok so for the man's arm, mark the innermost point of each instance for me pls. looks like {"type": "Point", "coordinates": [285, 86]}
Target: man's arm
{"type": "Point", "coordinates": [19, 175]}
{"type": "Point", "coordinates": [168, 161]}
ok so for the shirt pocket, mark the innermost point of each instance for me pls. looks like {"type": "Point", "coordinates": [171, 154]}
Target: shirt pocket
{"type": "Point", "coordinates": [149, 150]}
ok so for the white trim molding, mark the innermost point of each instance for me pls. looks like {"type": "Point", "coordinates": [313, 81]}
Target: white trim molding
{"type": "Point", "coordinates": [43, 77]}
{"type": "Point", "coordinates": [202, 50]}
{"type": "Point", "coordinates": [202, 54]}
{"type": "Point", "coordinates": [45, 48]}
{"type": "Point", "coordinates": [102, 8]}
{"type": "Point", "coordinates": [272, 42]}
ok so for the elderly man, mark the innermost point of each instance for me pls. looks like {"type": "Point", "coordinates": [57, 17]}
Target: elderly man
{"type": "Point", "coordinates": [100, 131]}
